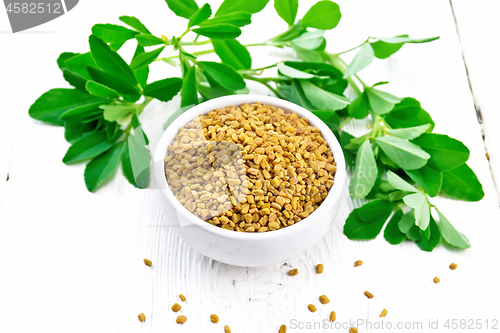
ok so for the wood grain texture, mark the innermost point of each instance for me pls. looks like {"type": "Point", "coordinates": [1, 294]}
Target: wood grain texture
{"type": "Point", "coordinates": [72, 261]}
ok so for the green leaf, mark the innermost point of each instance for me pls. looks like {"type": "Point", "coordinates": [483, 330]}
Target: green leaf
{"type": "Point", "coordinates": [200, 15]}
{"type": "Point", "coordinates": [461, 183]}
{"type": "Point", "coordinates": [329, 77]}
{"type": "Point", "coordinates": [385, 47]}
{"type": "Point", "coordinates": [375, 210]}
{"type": "Point", "coordinates": [392, 234]}
{"type": "Point", "coordinates": [143, 73]}
{"type": "Point", "coordinates": [331, 119]}
{"type": "Point", "coordinates": [126, 90]}
{"type": "Point", "coordinates": [182, 8]}
{"type": "Point", "coordinates": [450, 234]}
{"type": "Point", "coordinates": [419, 203]}
{"type": "Point", "coordinates": [292, 72]}
{"type": "Point", "coordinates": [434, 237]}
{"type": "Point", "coordinates": [85, 113]}
{"type": "Point", "coordinates": [293, 32]}
{"type": "Point", "coordinates": [356, 229]}
{"type": "Point", "coordinates": [100, 90]}
{"type": "Point", "coordinates": [165, 89]}
{"type": "Point", "coordinates": [74, 68]}
{"type": "Point", "coordinates": [365, 172]}
{"type": "Point", "coordinates": [189, 93]}
{"type": "Point", "coordinates": [136, 125]}
{"type": "Point", "coordinates": [55, 102]}
{"type": "Point", "coordinates": [88, 146]}
{"type": "Point", "coordinates": [287, 10]}
{"type": "Point", "coordinates": [116, 46]}
{"type": "Point", "coordinates": [225, 75]}
{"type": "Point", "coordinates": [144, 59]}
{"type": "Point", "coordinates": [110, 61]}
{"type": "Point", "coordinates": [407, 222]}
{"type": "Point", "coordinates": [399, 183]}
{"type": "Point", "coordinates": [73, 131]}
{"type": "Point", "coordinates": [113, 131]}
{"type": "Point", "coordinates": [345, 139]}
{"type": "Point", "coordinates": [310, 40]}
{"type": "Point", "coordinates": [297, 96]}
{"type": "Point", "coordinates": [362, 59]}
{"type": "Point", "coordinates": [149, 40]}
{"type": "Point", "coordinates": [219, 31]}
{"type": "Point", "coordinates": [357, 142]}
{"type": "Point", "coordinates": [136, 161]}
{"type": "Point", "coordinates": [135, 23]}
{"type": "Point", "coordinates": [102, 166]}
{"type": "Point", "coordinates": [323, 15]}
{"type": "Point", "coordinates": [232, 53]}
{"type": "Point", "coordinates": [111, 33]}
{"type": "Point", "coordinates": [114, 112]}
{"type": "Point", "coordinates": [307, 55]}
{"type": "Point", "coordinates": [405, 39]}
{"type": "Point", "coordinates": [409, 133]}
{"type": "Point", "coordinates": [322, 99]}
{"type": "Point", "coordinates": [380, 101]}
{"type": "Point", "coordinates": [359, 108]}
{"type": "Point", "coordinates": [408, 113]}
{"type": "Point", "coordinates": [238, 19]}
{"type": "Point", "coordinates": [427, 178]}
{"type": "Point", "coordinates": [231, 6]}
{"type": "Point", "coordinates": [404, 153]}
{"type": "Point", "coordinates": [396, 195]}
{"type": "Point", "coordinates": [446, 153]}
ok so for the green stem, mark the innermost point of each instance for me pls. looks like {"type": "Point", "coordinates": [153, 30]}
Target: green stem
{"type": "Point", "coordinates": [354, 48]}
{"type": "Point", "coordinates": [341, 66]}
{"type": "Point", "coordinates": [205, 42]}
{"type": "Point", "coordinates": [344, 122]}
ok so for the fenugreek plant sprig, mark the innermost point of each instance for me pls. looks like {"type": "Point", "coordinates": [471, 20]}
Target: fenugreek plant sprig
{"type": "Point", "coordinates": [398, 165]}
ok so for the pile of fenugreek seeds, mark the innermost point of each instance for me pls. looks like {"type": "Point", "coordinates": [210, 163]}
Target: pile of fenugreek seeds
{"type": "Point", "coordinates": [250, 168]}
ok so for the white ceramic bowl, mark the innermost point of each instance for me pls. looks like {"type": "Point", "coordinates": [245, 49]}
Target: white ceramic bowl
{"type": "Point", "coordinates": [239, 248]}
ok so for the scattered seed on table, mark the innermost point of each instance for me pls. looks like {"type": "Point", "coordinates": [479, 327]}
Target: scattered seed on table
{"type": "Point", "coordinates": [142, 317]}
{"type": "Point", "coordinates": [227, 329]}
{"type": "Point", "coordinates": [368, 294]}
{"type": "Point", "coordinates": [358, 263]}
{"type": "Point", "coordinates": [323, 299]}
{"type": "Point", "coordinates": [353, 330]}
{"type": "Point", "coordinates": [182, 297]}
{"type": "Point", "coordinates": [333, 316]}
{"type": "Point", "coordinates": [453, 266]}
{"type": "Point", "coordinates": [148, 262]}
{"type": "Point", "coordinates": [384, 313]}
{"type": "Point", "coordinates": [293, 272]}
{"type": "Point", "coordinates": [319, 268]}
{"type": "Point", "coordinates": [181, 319]}
{"type": "Point", "coordinates": [311, 308]}
{"type": "Point", "coordinates": [282, 329]}
{"type": "Point", "coordinates": [436, 280]}
{"type": "Point", "coordinates": [214, 318]}
{"type": "Point", "coordinates": [176, 307]}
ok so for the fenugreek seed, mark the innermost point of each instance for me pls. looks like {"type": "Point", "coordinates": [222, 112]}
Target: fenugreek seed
{"type": "Point", "coordinates": [436, 280]}
{"type": "Point", "coordinates": [333, 316]}
{"type": "Point", "coordinates": [293, 272]}
{"type": "Point", "coordinates": [176, 307]}
{"type": "Point", "coordinates": [148, 262]}
{"type": "Point", "coordinates": [319, 268]}
{"type": "Point", "coordinates": [182, 297]}
{"type": "Point", "coordinates": [384, 313]}
{"type": "Point", "coordinates": [368, 294]}
{"type": "Point", "coordinates": [214, 318]}
{"type": "Point", "coordinates": [358, 263]}
{"type": "Point", "coordinates": [274, 225]}
{"type": "Point", "coordinates": [142, 317]}
{"type": "Point", "coordinates": [323, 299]}
{"type": "Point", "coordinates": [311, 308]}
{"type": "Point", "coordinates": [282, 329]}
{"type": "Point", "coordinates": [181, 319]}
{"type": "Point", "coordinates": [453, 266]}
{"type": "Point", "coordinates": [353, 330]}
{"type": "Point", "coordinates": [227, 329]}
{"type": "Point", "coordinates": [251, 229]}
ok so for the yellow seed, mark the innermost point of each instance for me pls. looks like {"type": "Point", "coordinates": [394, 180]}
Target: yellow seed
{"type": "Point", "coordinates": [323, 299]}
{"type": "Point", "coordinates": [227, 329]}
{"type": "Point", "coordinates": [384, 313]}
{"type": "Point", "coordinates": [333, 316]}
{"type": "Point", "coordinates": [176, 307]}
{"type": "Point", "coordinates": [358, 263]}
{"type": "Point", "coordinates": [142, 317]}
{"type": "Point", "coordinates": [282, 329]}
{"type": "Point", "coordinates": [436, 280]}
{"type": "Point", "coordinates": [453, 266]}
{"type": "Point", "coordinates": [353, 330]}
{"type": "Point", "coordinates": [293, 272]}
{"type": "Point", "coordinates": [311, 308]}
{"type": "Point", "coordinates": [368, 294]}
{"type": "Point", "coordinates": [214, 318]}
{"type": "Point", "coordinates": [148, 262]}
{"type": "Point", "coordinates": [319, 268]}
{"type": "Point", "coordinates": [181, 319]}
{"type": "Point", "coordinates": [182, 297]}
{"type": "Point", "coordinates": [274, 225]}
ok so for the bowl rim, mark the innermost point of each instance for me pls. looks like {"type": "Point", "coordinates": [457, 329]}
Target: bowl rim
{"type": "Point", "coordinates": [334, 195]}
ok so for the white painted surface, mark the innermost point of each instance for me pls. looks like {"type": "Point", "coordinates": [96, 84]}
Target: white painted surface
{"type": "Point", "coordinates": [72, 261]}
